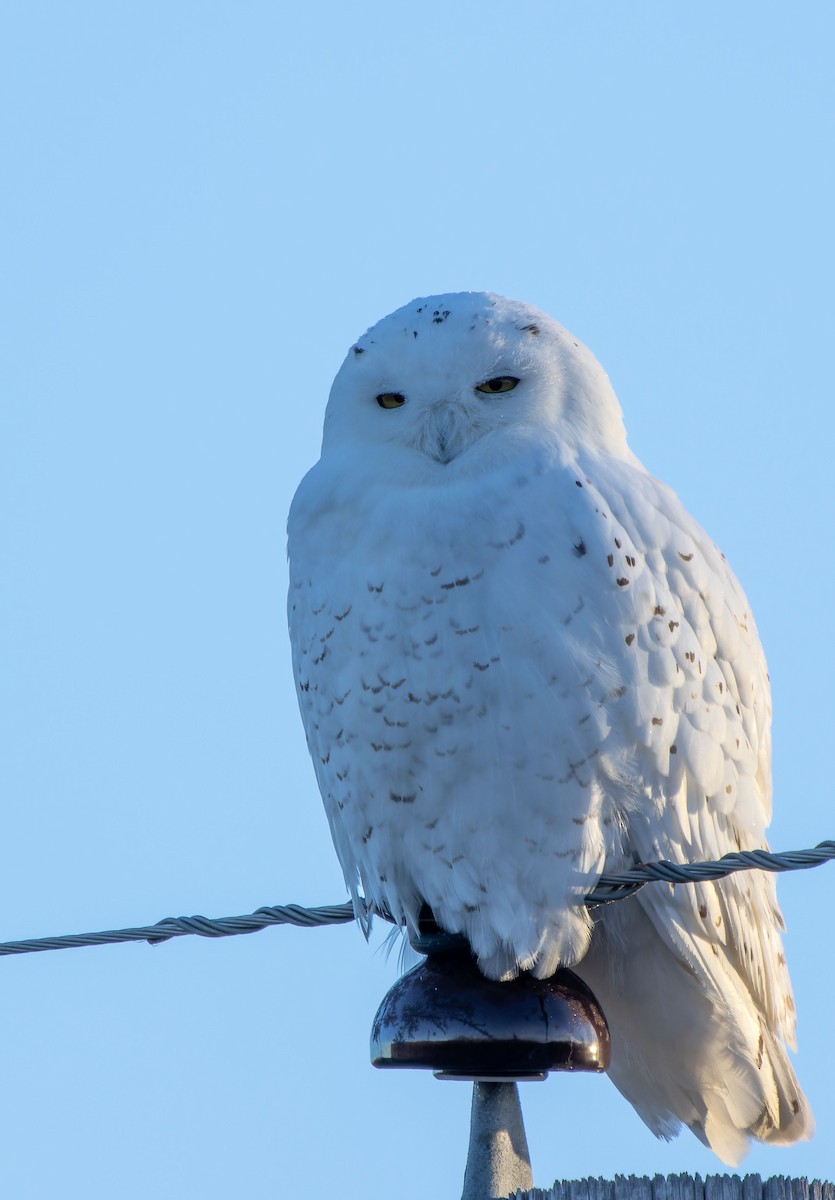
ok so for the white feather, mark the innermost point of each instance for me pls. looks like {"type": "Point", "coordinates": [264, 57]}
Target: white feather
{"type": "Point", "coordinates": [520, 663]}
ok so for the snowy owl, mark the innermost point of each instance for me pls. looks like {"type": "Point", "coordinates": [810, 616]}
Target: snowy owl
{"type": "Point", "coordinates": [520, 663]}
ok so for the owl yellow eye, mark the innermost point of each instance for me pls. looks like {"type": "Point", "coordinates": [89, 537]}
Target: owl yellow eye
{"type": "Point", "coordinates": [391, 399]}
{"type": "Point", "coordinates": [502, 383]}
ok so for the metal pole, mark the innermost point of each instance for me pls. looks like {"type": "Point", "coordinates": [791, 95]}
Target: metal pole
{"type": "Point", "coordinates": [498, 1161]}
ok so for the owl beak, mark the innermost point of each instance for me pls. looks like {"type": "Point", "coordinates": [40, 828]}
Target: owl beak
{"type": "Point", "coordinates": [445, 435]}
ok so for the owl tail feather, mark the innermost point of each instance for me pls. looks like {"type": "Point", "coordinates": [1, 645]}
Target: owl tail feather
{"type": "Point", "coordinates": [689, 1048]}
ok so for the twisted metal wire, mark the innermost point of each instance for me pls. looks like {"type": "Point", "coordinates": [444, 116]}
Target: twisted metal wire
{"type": "Point", "coordinates": [619, 885]}
{"type": "Point", "coordinates": [610, 887]}
{"type": "Point", "coordinates": [171, 927]}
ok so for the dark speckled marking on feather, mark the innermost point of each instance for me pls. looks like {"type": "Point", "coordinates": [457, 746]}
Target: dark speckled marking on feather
{"type": "Point", "coordinates": [400, 798]}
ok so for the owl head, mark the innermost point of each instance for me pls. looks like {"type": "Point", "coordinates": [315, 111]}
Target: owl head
{"type": "Point", "coordinates": [458, 379]}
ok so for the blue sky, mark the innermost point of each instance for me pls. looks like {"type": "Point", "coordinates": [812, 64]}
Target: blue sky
{"type": "Point", "coordinates": [202, 205]}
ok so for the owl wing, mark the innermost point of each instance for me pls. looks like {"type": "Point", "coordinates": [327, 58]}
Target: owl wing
{"type": "Point", "coordinates": [715, 795]}
{"type": "Point", "coordinates": [700, 719]}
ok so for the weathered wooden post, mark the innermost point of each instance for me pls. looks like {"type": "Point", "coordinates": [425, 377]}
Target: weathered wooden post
{"type": "Point", "coordinates": [444, 1016]}
{"type": "Point", "coordinates": [686, 1187]}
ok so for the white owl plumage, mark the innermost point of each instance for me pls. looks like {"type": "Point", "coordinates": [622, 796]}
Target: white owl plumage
{"type": "Point", "coordinates": [521, 663]}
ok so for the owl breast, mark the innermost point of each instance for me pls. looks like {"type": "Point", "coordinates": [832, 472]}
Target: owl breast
{"type": "Point", "coordinates": [455, 680]}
